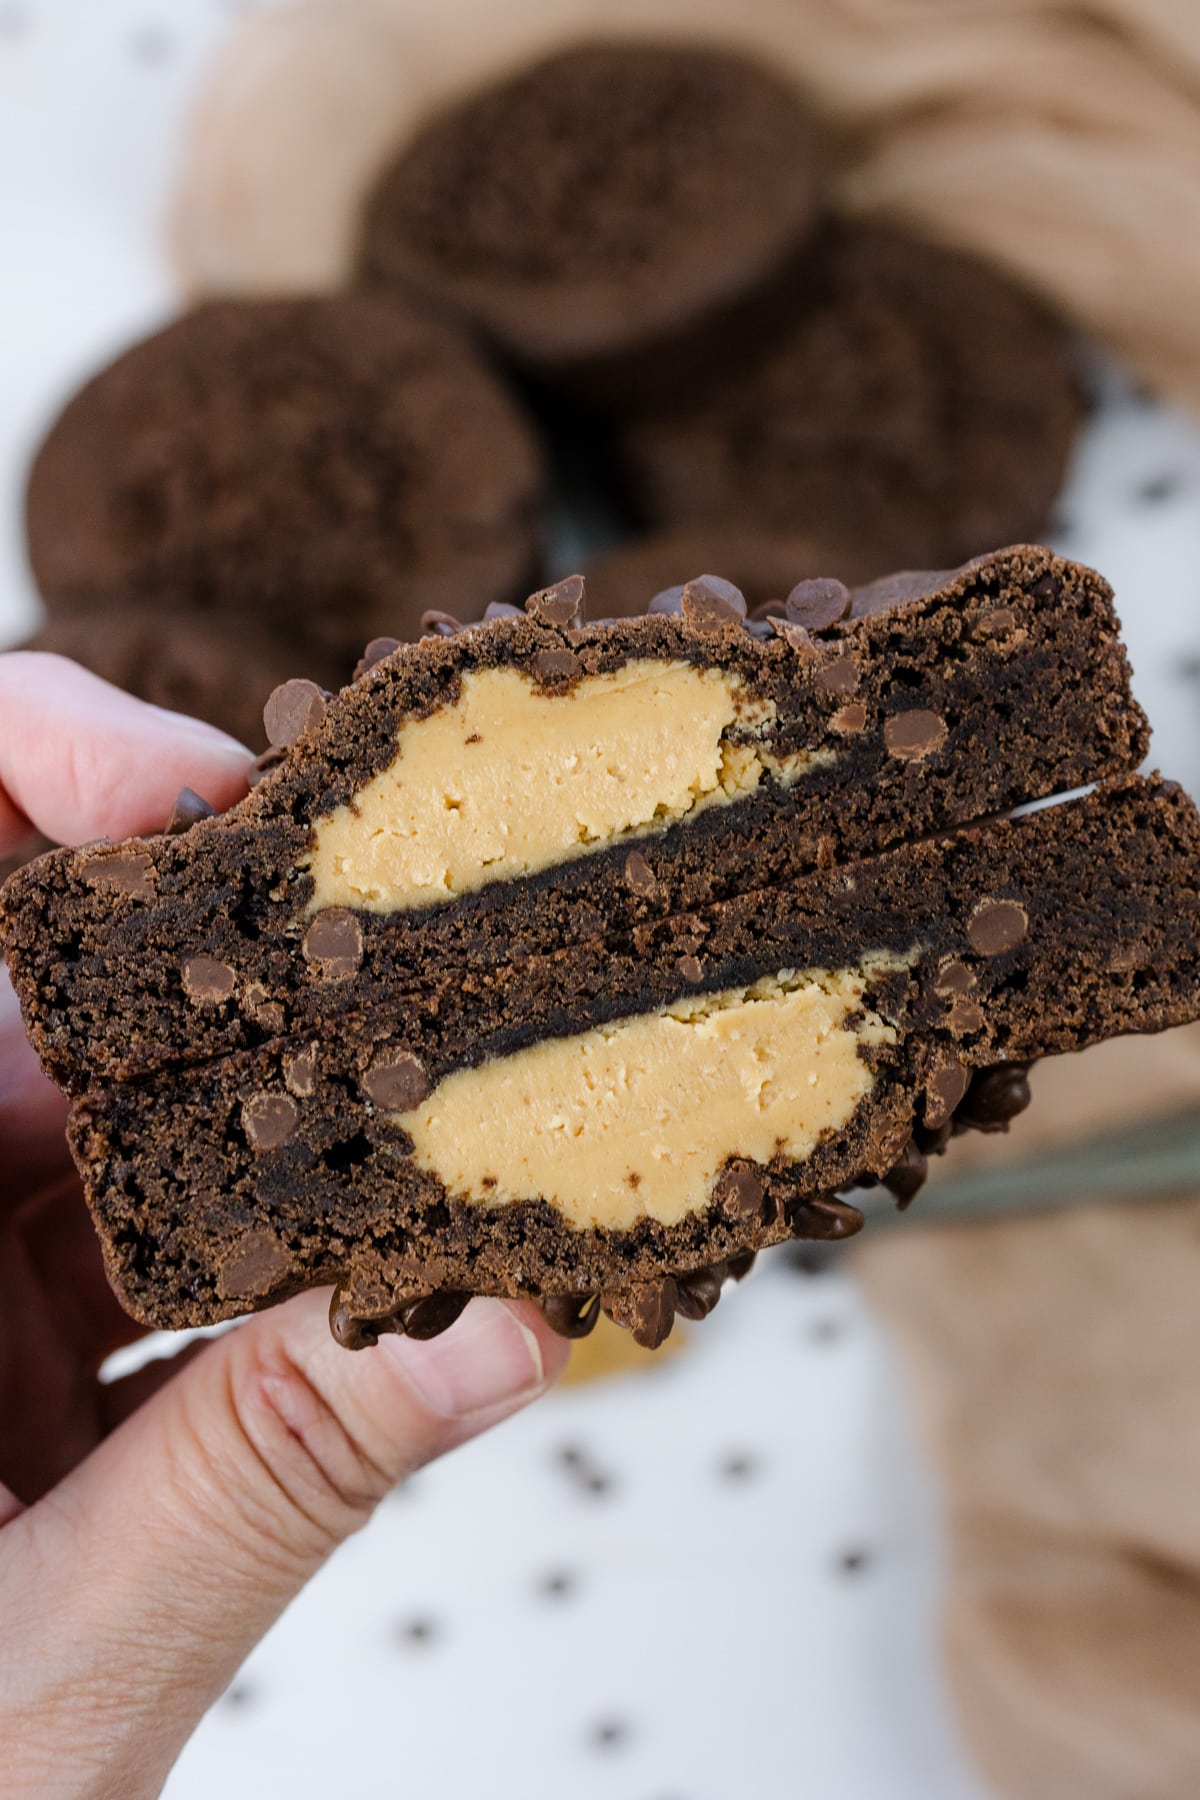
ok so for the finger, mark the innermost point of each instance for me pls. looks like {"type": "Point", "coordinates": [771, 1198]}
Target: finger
{"type": "Point", "coordinates": [79, 759]}
{"type": "Point", "coordinates": [242, 1475]}
{"type": "Point", "coordinates": [33, 1114]}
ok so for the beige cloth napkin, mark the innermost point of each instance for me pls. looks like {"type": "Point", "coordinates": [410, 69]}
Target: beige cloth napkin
{"type": "Point", "coordinates": [1060, 138]}
{"type": "Point", "coordinates": [1055, 1365]}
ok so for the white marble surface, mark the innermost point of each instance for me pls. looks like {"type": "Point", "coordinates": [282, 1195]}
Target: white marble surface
{"type": "Point", "coordinates": [734, 1592]}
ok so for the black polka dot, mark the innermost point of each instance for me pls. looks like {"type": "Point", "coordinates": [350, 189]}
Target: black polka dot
{"type": "Point", "coordinates": [558, 1584]}
{"type": "Point", "coordinates": [826, 1330]}
{"type": "Point", "coordinates": [571, 1456]}
{"type": "Point", "coordinates": [737, 1466]}
{"type": "Point", "coordinates": [609, 1734]}
{"type": "Point", "coordinates": [151, 44]}
{"type": "Point", "coordinates": [418, 1633]}
{"type": "Point", "coordinates": [809, 1259]}
{"type": "Point", "coordinates": [598, 1484]}
{"type": "Point", "coordinates": [854, 1560]}
{"type": "Point", "coordinates": [240, 1695]}
{"type": "Point", "coordinates": [1158, 489]}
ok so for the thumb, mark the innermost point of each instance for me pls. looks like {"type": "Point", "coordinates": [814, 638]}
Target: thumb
{"type": "Point", "coordinates": [170, 1550]}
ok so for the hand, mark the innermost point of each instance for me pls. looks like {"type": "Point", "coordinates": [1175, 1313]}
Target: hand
{"type": "Point", "coordinates": [152, 1529]}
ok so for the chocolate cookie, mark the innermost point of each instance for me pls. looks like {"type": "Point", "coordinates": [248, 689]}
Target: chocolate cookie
{"type": "Point", "coordinates": [600, 204]}
{"type": "Point", "coordinates": [583, 961]}
{"type": "Point", "coordinates": [916, 404]}
{"type": "Point", "coordinates": [325, 468]}
{"type": "Point", "coordinates": [202, 664]}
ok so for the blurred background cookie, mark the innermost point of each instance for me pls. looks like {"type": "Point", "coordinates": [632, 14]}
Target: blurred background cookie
{"type": "Point", "coordinates": [329, 468]}
{"type": "Point", "coordinates": [600, 204]}
{"type": "Point", "coordinates": [916, 404]}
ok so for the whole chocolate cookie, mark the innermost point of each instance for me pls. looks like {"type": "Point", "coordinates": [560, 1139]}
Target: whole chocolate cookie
{"type": "Point", "coordinates": [916, 404]}
{"type": "Point", "coordinates": [200, 664]}
{"type": "Point", "coordinates": [601, 202]}
{"type": "Point", "coordinates": [330, 467]}
{"type": "Point", "coordinates": [765, 565]}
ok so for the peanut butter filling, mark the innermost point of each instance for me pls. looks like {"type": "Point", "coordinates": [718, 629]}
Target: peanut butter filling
{"type": "Point", "coordinates": [635, 1120]}
{"type": "Point", "coordinates": [512, 778]}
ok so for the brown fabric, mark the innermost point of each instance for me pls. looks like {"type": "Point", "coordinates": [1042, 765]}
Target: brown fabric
{"type": "Point", "coordinates": [1124, 1083]}
{"type": "Point", "coordinates": [1053, 1361]}
{"type": "Point", "coordinates": [1060, 138]}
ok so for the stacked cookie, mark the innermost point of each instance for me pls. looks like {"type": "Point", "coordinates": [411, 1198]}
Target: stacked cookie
{"type": "Point", "coordinates": [618, 267]}
{"type": "Point", "coordinates": [583, 961]}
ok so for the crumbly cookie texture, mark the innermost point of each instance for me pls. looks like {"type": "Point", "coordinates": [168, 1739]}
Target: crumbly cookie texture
{"type": "Point", "coordinates": [582, 961]}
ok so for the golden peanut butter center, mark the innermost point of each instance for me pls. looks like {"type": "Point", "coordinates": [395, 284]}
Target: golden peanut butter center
{"type": "Point", "coordinates": [635, 1120]}
{"type": "Point", "coordinates": [511, 778]}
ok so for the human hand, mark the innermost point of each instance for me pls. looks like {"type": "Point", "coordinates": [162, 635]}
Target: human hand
{"type": "Point", "coordinates": [151, 1529]}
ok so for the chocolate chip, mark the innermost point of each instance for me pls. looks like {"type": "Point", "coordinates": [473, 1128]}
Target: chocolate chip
{"type": "Point", "coordinates": [669, 601]}
{"type": "Point", "coordinates": [996, 926]}
{"type": "Point", "coordinates": [334, 939]}
{"type": "Point", "coordinates": [907, 1177]}
{"type": "Point", "coordinates": [571, 1315]}
{"type": "Point", "coordinates": [646, 1310]}
{"type": "Point", "coordinates": [556, 665]}
{"type": "Point", "coordinates": [398, 1084]}
{"type": "Point", "coordinates": [710, 604]}
{"type": "Point", "coordinates": [188, 810]}
{"type": "Point", "coordinates": [431, 1315]}
{"type": "Point", "coordinates": [561, 605]}
{"type": "Point", "coordinates": [294, 708]}
{"type": "Point", "coordinates": [207, 981]}
{"type": "Point", "coordinates": [944, 1088]}
{"type": "Point", "coordinates": [1049, 587]}
{"type": "Point", "coordinates": [262, 765]}
{"type": "Point", "coordinates": [253, 1267]}
{"type": "Point", "coordinates": [691, 969]}
{"type": "Point", "coordinates": [351, 1332]}
{"type": "Point", "coordinates": [376, 650]}
{"type": "Point", "coordinates": [840, 676]}
{"type": "Point", "coordinates": [738, 1191]}
{"type": "Point", "coordinates": [965, 1016]}
{"type": "Point", "coordinates": [128, 871]}
{"type": "Point", "coordinates": [300, 1071]}
{"type": "Point", "coordinates": [794, 636]}
{"type": "Point", "coordinates": [697, 1292]}
{"type": "Point", "coordinates": [849, 718]}
{"type": "Point", "coordinates": [639, 876]}
{"type": "Point", "coordinates": [912, 735]}
{"type": "Point", "coordinates": [996, 1096]}
{"type": "Point", "coordinates": [899, 589]}
{"type": "Point", "coordinates": [263, 1010]}
{"type": "Point", "coordinates": [269, 1120]}
{"type": "Point", "coordinates": [739, 1266]}
{"type": "Point", "coordinates": [826, 1219]}
{"type": "Point", "coordinates": [440, 624]}
{"type": "Point", "coordinates": [818, 604]}
{"type": "Point", "coordinates": [954, 977]}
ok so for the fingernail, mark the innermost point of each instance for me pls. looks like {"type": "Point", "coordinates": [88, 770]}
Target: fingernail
{"type": "Point", "coordinates": [487, 1361]}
